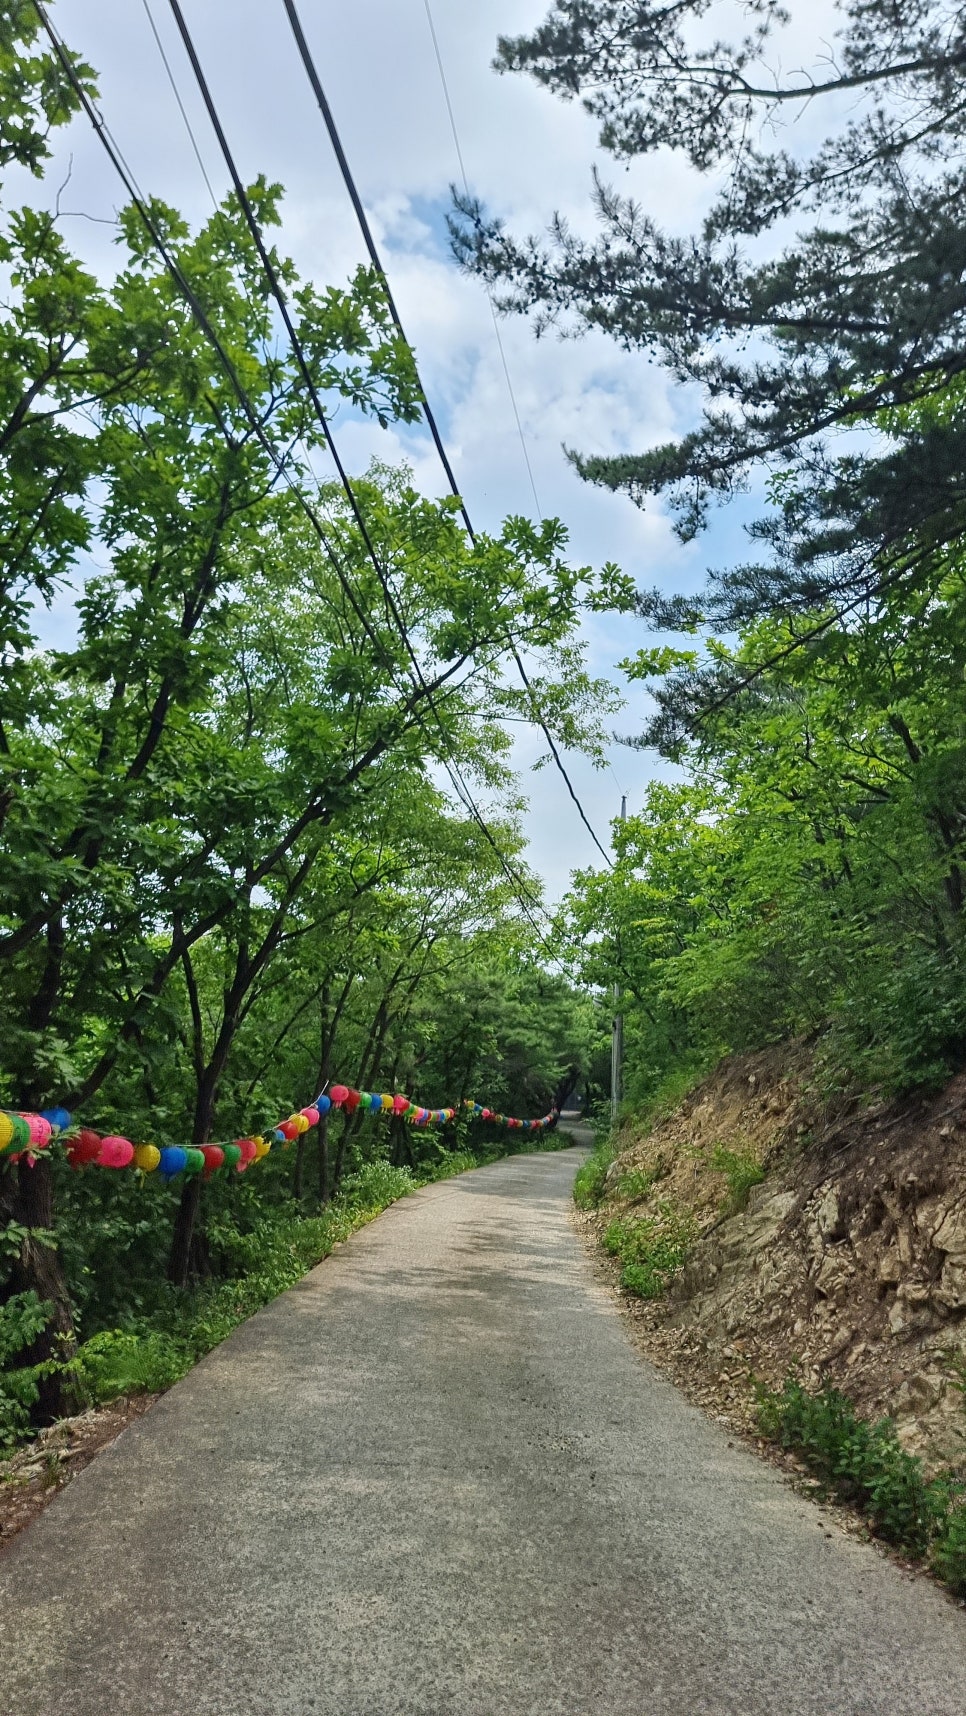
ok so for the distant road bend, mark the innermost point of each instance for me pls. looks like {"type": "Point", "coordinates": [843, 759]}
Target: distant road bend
{"type": "Point", "coordinates": [434, 1479]}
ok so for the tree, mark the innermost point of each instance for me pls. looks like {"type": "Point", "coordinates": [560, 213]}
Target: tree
{"type": "Point", "coordinates": [804, 347]}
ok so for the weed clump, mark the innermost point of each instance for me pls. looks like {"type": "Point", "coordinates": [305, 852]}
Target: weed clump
{"type": "Point", "coordinates": [651, 1249]}
{"type": "Point", "coordinates": [741, 1172]}
{"type": "Point", "coordinates": [863, 1463]}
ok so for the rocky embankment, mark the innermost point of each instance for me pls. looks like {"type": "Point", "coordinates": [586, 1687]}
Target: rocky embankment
{"type": "Point", "coordinates": [849, 1258]}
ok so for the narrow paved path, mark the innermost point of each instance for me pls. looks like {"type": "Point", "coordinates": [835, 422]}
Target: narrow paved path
{"type": "Point", "coordinates": [435, 1480]}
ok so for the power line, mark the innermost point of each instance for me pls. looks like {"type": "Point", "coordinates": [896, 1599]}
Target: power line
{"type": "Point", "coordinates": [357, 204]}
{"type": "Point", "coordinates": [116, 157]}
{"type": "Point", "coordinates": [177, 96]}
{"type": "Point", "coordinates": [486, 285]}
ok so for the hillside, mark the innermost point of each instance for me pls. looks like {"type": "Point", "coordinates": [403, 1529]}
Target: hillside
{"type": "Point", "coordinates": [849, 1256]}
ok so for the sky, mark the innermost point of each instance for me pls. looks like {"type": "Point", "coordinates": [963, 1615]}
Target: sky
{"type": "Point", "coordinates": [526, 154]}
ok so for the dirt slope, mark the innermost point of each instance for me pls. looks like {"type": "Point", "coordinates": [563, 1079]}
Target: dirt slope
{"type": "Point", "coordinates": [849, 1257]}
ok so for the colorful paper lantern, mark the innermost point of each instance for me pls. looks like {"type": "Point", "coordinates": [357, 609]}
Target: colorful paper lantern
{"type": "Point", "coordinates": [6, 1131]}
{"type": "Point", "coordinates": [352, 1100]}
{"type": "Point", "coordinates": [338, 1094]}
{"type": "Point", "coordinates": [299, 1122]}
{"type": "Point", "coordinates": [115, 1152]}
{"type": "Point", "coordinates": [401, 1105]}
{"type": "Point", "coordinates": [288, 1130]}
{"type": "Point", "coordinates": [173, 1161]}
{"type": "Point", "coordinates": [58, 1117]}
{"type": "Point", "coordinates": [40, 1130]}
{"type": "Point", "coordinates": [214, 1157]}
{"type": "Point", "coordinates": [323, 1104]}
{"type": "Point", "coordinates": [194, 1161]}
{"type": "Point", "coordinates": [147, 1157]}
{"type": "Point", "coordinates": [375, 1103]}
{"type": "Point", "coordinates": [231, 1155]}
{"type": "Point", "coordinates": [262, 1148]}
{"type": "Point", "coordinates": [83, 1148]}
{"type": "Point", "coordinates": [311, 1115]}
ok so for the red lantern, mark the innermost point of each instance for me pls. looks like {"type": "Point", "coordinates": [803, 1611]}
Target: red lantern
{"type": "Point", "coordinates": [83, 1148]}
{"type": "Point", "coordinates": [352, 1100]}
{"type": "Point", "coordinates": [214, 1157]}
{"type": "Point", "coordinates": [288, 1129]}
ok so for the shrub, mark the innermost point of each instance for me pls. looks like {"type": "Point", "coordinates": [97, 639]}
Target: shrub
{"type": "Point", "coordinates": [375, 1185]}
{"type": "Point", "coordinates": [949, 1550]}
{"type": "Point", "coordinates": [651, 1250]}
{"type": "Point", "coordinates": [118, 1361]}
{"type": "Point", "coordinates": [22, 1318]}
{"type": "Point", "coordinates": [591, 1178]}
{"type": "Point", "coordinates": [862, 1463]}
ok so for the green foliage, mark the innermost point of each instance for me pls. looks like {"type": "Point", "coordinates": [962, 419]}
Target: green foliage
{"type": "Point", "coordinates": [741, 1171]}
{"type": "Point", "coordinates": [119, 1361]}
{"type": "Point", "coordinates": [636, 1184]}
{"type": "Point", "coordinates": [590, 1181]}
{"type": "Point", "coordinates": [949, 1550]}
{"type": "Point", "coordinates": [23, 1316]}
{"type": "Point", "coordinates": [377, 1184]}
{"type": "Point", "coordinates": [864, 1464]}
{"type": "Point", "coordinates": [651, 1249]}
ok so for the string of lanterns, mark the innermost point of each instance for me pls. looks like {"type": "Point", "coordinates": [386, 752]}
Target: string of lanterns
{"type": "Point", "coordinates": [26, 1135]}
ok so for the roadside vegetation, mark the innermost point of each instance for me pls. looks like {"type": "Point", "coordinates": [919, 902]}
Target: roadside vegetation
{"type": "Point", "coordinates": [864, 1465]}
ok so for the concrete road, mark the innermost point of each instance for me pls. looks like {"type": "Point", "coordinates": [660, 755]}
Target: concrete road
{"type": "Point", "coordinates": [435, 1480]}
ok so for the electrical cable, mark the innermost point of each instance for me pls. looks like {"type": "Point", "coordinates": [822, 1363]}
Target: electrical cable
{"type": "Point", "coordinates": [357, 204]}
{"type": "Point", "coordinates": [116, 157]}
{"type": "Point", "coordinates": [486, 286]}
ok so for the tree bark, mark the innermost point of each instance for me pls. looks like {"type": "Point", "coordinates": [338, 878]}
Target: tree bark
{"type": "Point", "coordinates": [27, 1196]}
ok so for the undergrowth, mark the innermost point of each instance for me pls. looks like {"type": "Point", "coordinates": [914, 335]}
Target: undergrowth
{"type": "Point", "coordinates": [741, 1171]}
{"type": "Point", "coordinates": [864, 1464]}
{"type": "Point", "coordinates": [650, 1249]}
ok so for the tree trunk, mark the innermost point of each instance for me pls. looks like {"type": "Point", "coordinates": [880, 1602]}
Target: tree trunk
{"type": "Point", "coordinates": [28, 1198]}
{"type": "Point", "coordinates": [323, 1161]}
{"type": "Point", "coordinates": [179, 1258]}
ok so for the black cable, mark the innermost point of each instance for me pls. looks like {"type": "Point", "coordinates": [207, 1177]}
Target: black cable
{"type": "Point", "coordinates": [124, 172]}
{"type": "Point", "coordinates": [350, 184]}
{"type": "Point", "coordinates": [370, 242]}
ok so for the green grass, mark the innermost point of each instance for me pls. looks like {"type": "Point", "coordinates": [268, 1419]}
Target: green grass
{"type": "Point", "coordinates": [741, 1171]}
{"type": "Point", "coordinates": [864, 1464]}
{"type": "Point", "coordinates": [651, 1249]}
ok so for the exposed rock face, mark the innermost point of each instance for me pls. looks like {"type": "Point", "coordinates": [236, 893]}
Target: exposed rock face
{"type": "Point", "coordinates": [849, 1259]}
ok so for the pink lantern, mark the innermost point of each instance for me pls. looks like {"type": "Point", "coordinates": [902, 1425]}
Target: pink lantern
{"type": "Point", "coordinates": [311, 1115]}
{"type": "Point", "coordinates": [41, 1130]}
{"type": "Point", "coordinates": [338, 1093]}
{"type": "Point", "coordinates": [115, 1152]}
{"type": "Point", "coordinates": [400, 1104]}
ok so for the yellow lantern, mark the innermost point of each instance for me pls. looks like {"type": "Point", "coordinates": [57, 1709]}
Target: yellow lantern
{"type": "Point", "coordinates": [6, 1130]}
{"type": "Point", "coordinates": [387, 1102]}
{"type": "Point", "coordinates": [147, 1157]}
{"type": "Point", "coordinates": [261, 1148]}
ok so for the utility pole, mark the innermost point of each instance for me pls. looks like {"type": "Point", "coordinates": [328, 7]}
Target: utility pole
{"type": "Point", "coordinates": [617, 1033]}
